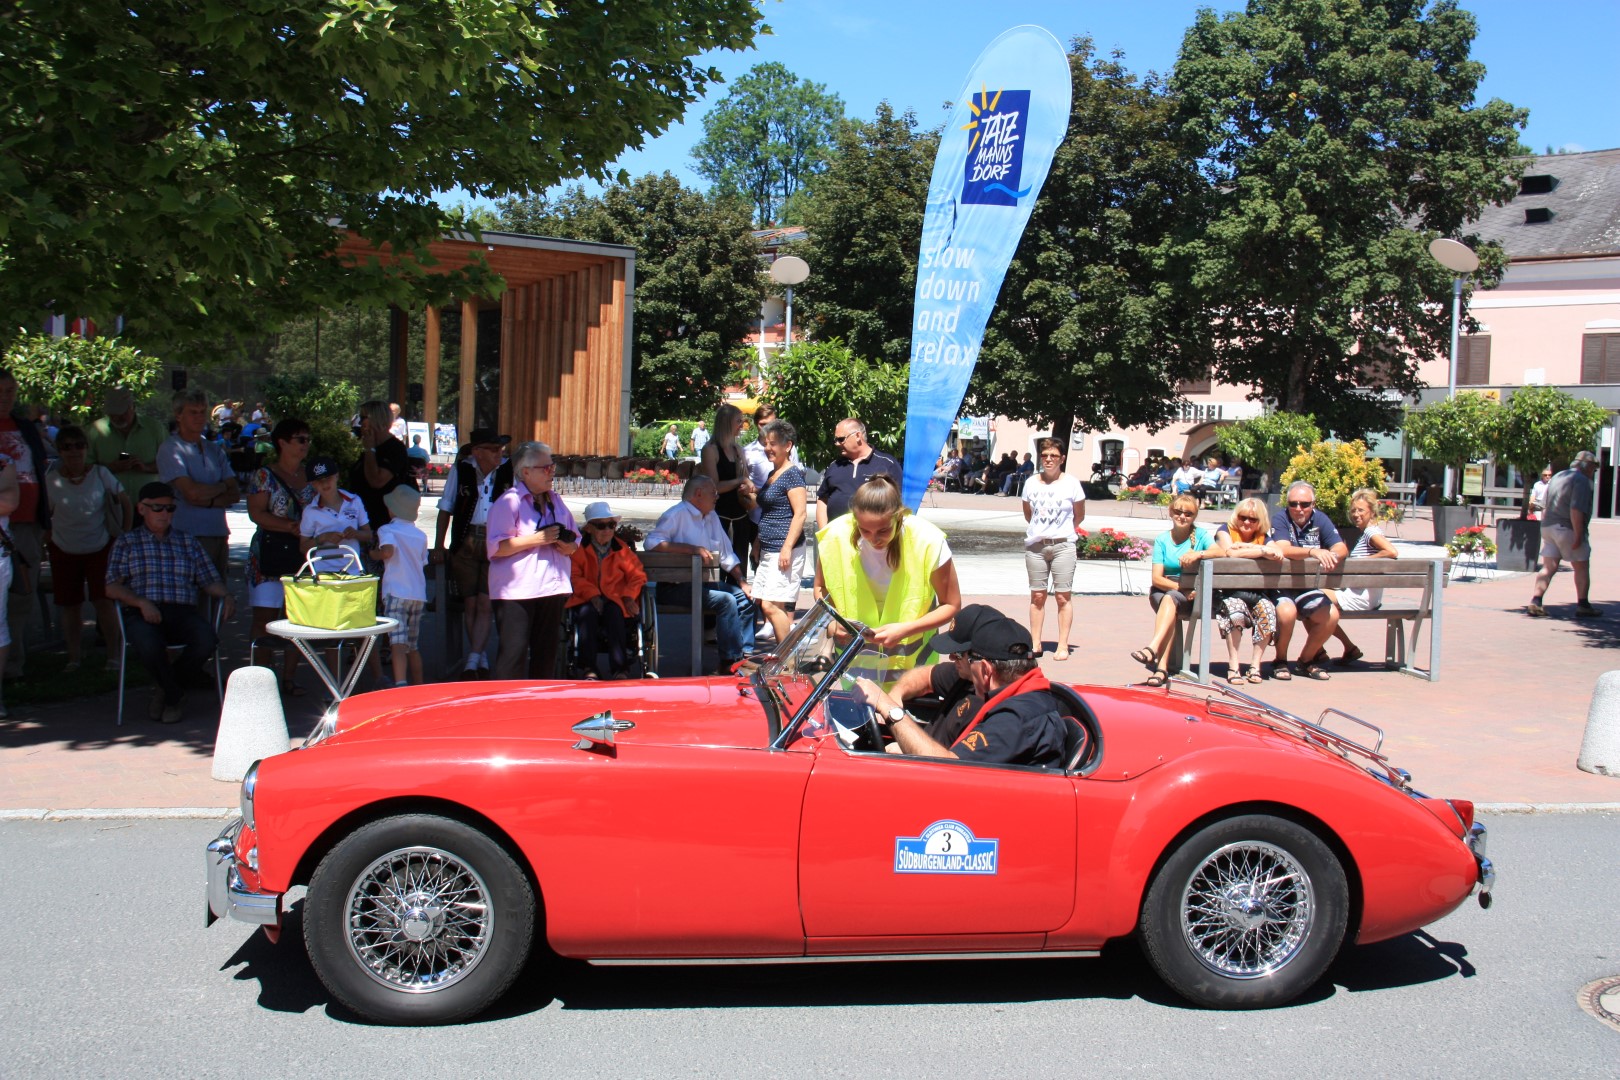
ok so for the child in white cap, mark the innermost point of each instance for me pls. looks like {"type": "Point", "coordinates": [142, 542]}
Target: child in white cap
{"type": "Point", "coordinates": [402, 547]}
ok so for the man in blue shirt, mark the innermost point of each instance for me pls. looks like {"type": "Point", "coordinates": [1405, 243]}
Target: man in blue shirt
{"type": "Point", "coordinates": [1306, 533]}
{"type": "Point", "coordinates": [157, 571]}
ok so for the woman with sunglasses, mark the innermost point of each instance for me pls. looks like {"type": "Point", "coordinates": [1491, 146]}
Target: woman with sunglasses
{"type": "Point", "coordinates": [1244, 536]}
{"type": "Point", "coordinates": [277, 495]}
{"type": "Point", "coordinates": [1174, 553]}
{"type": "Point", "coordinates": [79, 540]}
{"type": "Point", "coordinates": [1054, 507]}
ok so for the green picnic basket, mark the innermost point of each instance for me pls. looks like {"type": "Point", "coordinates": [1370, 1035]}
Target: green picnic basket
{"type": "Point", "coordinates": [332, 600]}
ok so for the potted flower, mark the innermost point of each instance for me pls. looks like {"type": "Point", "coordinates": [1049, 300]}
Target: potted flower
{"type": "Point", "coordinates": [1471, 540]}
{"type": "Point", "coordinates": [1110, 544]}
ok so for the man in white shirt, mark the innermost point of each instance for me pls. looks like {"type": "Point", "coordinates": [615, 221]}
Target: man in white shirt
{"type": "Point", "coordinates": [397, 426]}
{"type": "Point", "coordinates": [463, 513]}
{"type": "Point", "coordinates": [691, 527]}
{"type": "Point", "coordinates": [700, 438]}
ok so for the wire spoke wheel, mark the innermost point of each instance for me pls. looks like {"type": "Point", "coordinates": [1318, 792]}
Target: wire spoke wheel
{"type": "Point", "coordinates": [1247, 909]}
{"type": "Point", "coordinates": [419, 919]}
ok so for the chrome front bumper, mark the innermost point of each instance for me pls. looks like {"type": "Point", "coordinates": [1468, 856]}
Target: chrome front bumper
{"type": "Point", "coordinates": [1487, 869]}
{"type": "Point", "coordinates": [226, 893]}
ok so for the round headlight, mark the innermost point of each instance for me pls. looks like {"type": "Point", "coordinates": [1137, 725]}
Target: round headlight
{"type": "Point", "coordinates": [249, 782]}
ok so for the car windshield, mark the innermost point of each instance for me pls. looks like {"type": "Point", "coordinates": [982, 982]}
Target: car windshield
{"type": "Point", "coordinates": [816, 646]}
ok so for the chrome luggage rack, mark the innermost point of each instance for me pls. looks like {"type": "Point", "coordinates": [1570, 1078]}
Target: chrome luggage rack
{"type": "Point", "coordinates": [1223, 701]}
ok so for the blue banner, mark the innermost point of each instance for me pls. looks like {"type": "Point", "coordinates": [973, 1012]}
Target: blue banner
{"type": "Point", "coordinates": [993, 158]}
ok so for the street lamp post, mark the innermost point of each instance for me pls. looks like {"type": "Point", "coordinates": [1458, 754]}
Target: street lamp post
{"type": "Point", "coordinates": [1460, 259]}
{"type": "Point", "coordinates": [789, 270]}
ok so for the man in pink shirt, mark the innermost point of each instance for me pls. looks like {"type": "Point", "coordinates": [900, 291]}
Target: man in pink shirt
{"type": "Point", "coordinates": [531, 539]}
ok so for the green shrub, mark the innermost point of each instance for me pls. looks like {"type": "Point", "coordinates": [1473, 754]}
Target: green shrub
{"type": "Point", "coordinates": [1336, 470]}
{"type": "Point", "coordinates": [71, 375]}
{"type": "Point", "coordinates": [326, 405]}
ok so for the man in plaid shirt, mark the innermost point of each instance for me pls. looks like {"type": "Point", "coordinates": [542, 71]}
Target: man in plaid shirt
{"type": "Point", "coordinates": [157, 571]}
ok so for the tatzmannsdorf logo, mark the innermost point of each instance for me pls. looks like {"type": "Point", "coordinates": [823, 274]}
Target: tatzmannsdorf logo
{"type": "Point", "coordinates": [995, 157]}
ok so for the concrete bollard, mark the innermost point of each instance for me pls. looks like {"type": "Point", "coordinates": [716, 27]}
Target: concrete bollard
{"type": "Point", "coordinates": [1600, 747]}
{"type": "Point", "coordinates": [251, 723]}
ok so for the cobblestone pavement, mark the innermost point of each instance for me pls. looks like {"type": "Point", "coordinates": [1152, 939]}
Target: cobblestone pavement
{"type": "Point", "coordinates": [1502, 725]}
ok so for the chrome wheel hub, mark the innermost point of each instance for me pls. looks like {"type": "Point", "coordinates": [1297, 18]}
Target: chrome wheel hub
{"type": "Point", "coordinates": [1247, 909]}
{"type": "Point", "coordinates": [419, 919]}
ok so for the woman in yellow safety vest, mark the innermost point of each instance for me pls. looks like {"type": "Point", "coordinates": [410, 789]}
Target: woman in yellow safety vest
{"type": "Point", "coordinates": [893, 572]}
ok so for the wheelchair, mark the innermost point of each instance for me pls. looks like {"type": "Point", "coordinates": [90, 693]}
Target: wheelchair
{"type": "Point", "coordinates": [640, 644]}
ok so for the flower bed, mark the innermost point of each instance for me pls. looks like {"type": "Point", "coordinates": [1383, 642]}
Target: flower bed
{"type": "Point", "coordinates": [1109, 544]}
{"type": "Point", "coordinates": [1144, 493]}
{"type": "Point", "coordinates": [1471, 540]}
{"type": "Point", "coordinates": [651, 476]}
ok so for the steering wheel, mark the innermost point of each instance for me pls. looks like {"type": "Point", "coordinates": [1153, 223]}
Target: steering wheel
{"type": "Point", "coordinates": [848, 710]}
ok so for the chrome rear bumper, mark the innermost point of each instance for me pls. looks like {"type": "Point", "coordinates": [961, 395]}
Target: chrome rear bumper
{"type": "Point", "coordinates": [227, 896]}
{"type": "Point", "coordinates": [1487, 869]}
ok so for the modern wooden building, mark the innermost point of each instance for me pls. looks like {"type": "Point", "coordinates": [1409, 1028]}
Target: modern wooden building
{"type": "Point", "coordinates": [549, 359]}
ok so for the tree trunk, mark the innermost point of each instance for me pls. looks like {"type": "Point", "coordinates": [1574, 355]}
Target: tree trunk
{"type": "Point", "coordinates": [1062, 428]}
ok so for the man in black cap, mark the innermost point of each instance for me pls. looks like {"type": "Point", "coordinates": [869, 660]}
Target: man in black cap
{"type": "Point", "coordinates": [1020, 723]}
{"type": "Point", "coordinates": [158, 571]}
{"type": "Point", "coordinates": [463, 512]}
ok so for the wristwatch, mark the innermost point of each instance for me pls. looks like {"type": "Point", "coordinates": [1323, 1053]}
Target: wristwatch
{"type": "Point", "coordinates": [896, 714]}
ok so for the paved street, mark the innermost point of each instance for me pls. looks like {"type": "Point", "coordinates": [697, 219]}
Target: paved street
{"type": "Point", "coordinates": [111, 974]}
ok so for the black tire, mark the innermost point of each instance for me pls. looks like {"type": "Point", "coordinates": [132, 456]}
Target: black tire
{"type": "Point", "coordinates": [384, 938]}
{"type": "Point", "coordinates": [1246, 914]}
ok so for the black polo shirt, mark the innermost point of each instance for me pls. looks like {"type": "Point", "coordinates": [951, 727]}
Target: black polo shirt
{"type": "Point", "coordinates": [961, 703]}
{"type": "Point", "coordinates": [843, 476]}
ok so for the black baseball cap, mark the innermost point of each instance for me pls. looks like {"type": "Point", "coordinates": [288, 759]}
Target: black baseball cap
{"type": "Point", "coordinates": [321, 466]}
{"type": "Point", "coordinates": [156, 489]}
{"type": "Point", "coordinates": [985, 632]}
{"type": "Point", "coordinates": [486, 436]}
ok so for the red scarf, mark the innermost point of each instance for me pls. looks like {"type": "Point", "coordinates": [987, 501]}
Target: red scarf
{"type": "Point", "coordinates": [1031, 680]}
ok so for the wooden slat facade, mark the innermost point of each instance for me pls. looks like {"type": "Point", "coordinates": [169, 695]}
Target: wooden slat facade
{"type": "Point", "coordinates": [564, 344]}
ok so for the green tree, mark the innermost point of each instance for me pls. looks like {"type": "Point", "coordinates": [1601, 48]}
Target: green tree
{"type": "Point", "coordinates": [71, 375]}
{"type": "Point", "coordinates": [864, 219]}
{"type": "Point", "coordinates": [325, 405]}
{"type": "Point", "coordinates": [698, 280]}
{"type": "Point", "coordinates": [182, 163]}
{"type": "Point", "coordinates": [1336, 470]}
{"type": "Point", "coordinates": [1543, 425]}
{"type": "Point", "coordinates": [817, 384]}
{"type": "Point", "coordinates": [1338, 139]}
{"type": "Point", "coordinates": [1094, 327]}
{"type": "Point", "coordinates": [1266, 441]}
{"type": "Point", "coordinates": [1455, 432]}
{"type": "Point", "coordinates": [767, 137]}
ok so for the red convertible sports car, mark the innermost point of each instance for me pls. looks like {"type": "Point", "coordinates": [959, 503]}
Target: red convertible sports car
{"type": "Point", "coordinates": [758, 818]}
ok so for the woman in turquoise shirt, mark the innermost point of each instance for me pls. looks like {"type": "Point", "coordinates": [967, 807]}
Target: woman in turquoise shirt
{"type": "Point", "coordinates": [1174, 553]}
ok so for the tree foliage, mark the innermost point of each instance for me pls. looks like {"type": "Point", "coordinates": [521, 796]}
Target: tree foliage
{"type": "Point", "coordinates": [698, 280]}
{"type": "Point", "coordinates": [71, 375]}
{"type": "Point", "coordinates": [864, 218]}
{"type": "Point", "coordinates": [1543, 425]}
{"type": "Point", "coordinates": [1268, 440]}
{"type": "Point", "coordinates": [1336, 470]}
{"type": "Point", "coordinates": [767, 137]}
{"type": "Point", "coordinates": [1093, 327]}
{"type": "Point", "coordinates": [326, 405]}
{"type": "Point", "coordinates": [181, 163]}
{"type": "Point", "coordinates": [817, 384]}
{"type": "Point", "coordinates": [1456, 431]}
{"type": "Point", "coordinates": [1338, 139]}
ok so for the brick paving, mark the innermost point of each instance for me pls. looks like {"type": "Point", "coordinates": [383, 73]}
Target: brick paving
{"type": "Point", "coordinates": [1502, 725]}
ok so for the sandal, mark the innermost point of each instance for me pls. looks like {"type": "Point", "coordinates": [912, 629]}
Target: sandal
{"type": "Point", "coordinates": [1280, 671]}
{"type": "Point", "coordinates": [1158, 678]}
{"type": "Point", "coordinates": [1236, 677]}
{"type": "Point", "coordinates": [1145, 657]}
{"type": "Point", "coordinates": [1315, 671]}
{"type": "Point", "coordinates": [1254, 675]}
{"type": "Point", "coordinates": [1351, 655]}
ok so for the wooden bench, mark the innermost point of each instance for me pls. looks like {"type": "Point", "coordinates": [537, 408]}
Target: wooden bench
{"type": "Point", "coordinates": [1426, 576]}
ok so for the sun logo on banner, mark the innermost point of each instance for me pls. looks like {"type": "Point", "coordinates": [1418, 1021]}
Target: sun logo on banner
{"type": "Point", "coordinates": [995, 157]}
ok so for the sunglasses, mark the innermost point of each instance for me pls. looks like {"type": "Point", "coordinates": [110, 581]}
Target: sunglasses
{"type": "Point", "coordinates": [549, 466]}
{"type": "Point", "coordinates": [1301, 505]}
{"type": "Point", "coordinates": [1051, 457]}
{"type": "Point", "coordinates": [839, 439]}
{"type": "Point", "coordinates": [599, 524]}
{"type": "Point", "coordinates": [1248, 520]}
{"type": "Point", "coordinates": [1183, 513]}
{"type": "Point", "coordinates": [159, 508]}
{"type": "Point", "coordinates": [72, 446]}
{"type": "Point", "coordinates": [300, 439]}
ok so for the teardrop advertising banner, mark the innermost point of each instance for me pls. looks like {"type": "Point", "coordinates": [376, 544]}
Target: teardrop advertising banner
{"type": "Point", "coordinates": [993, 158]}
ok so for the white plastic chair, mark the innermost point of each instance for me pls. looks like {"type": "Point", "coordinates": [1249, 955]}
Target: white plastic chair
{"type": "Point", "coordinates": [217, 610]}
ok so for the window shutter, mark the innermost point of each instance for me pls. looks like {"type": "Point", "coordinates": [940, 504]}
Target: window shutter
{"type": "Point", "coordinates": [1193, 386]}
{"type": "Point", "coordinates": [1600, 358]}
{"type": "Point", "coordinates": [1474, 360]}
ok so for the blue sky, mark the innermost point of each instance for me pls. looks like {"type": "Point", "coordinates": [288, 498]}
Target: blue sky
{"type": "Point", "coordinates": [1548, 57]}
